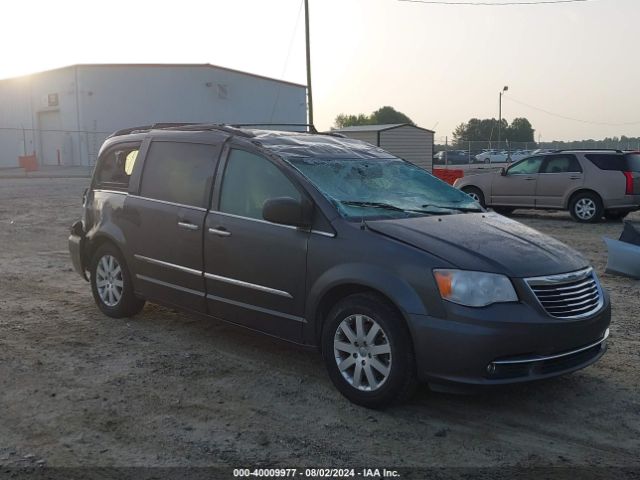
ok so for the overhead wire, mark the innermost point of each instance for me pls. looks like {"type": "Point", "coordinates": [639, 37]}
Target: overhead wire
{"type": "Point", "coordinates": [566, 117]}
{"type": "Point", "coordinates": [495, 4]}
{"type": "Point", "coordinates": [286, 60]}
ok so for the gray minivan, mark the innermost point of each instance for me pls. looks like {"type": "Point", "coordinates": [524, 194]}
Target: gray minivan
{"type": "Point", "coordinates": [324, 241]}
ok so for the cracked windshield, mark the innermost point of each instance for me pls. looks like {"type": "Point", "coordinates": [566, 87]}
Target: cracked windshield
{"type": "Point", "coordinates": [382, 188]}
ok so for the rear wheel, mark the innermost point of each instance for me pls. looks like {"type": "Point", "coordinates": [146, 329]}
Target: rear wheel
{"type": "Point", "coordinates": [476, 194]}
{"type": "Point", "coordinates": [111, 283]}
{"type": "Point", "coordinates": [503, 210]}
{"type": "Point", "coordinates": [586, 207]}
{"type": "Point", "coordinates": [368, 352]}
{"type": "Point", "coordinates": [615, 215]}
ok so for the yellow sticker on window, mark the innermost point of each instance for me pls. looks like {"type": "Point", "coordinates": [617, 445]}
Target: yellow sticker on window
{"type": "Point", "coordinates": [130, 162]}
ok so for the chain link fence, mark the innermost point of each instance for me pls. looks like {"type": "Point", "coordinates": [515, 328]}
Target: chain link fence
{"type": "Point", "coordinates": [50, 146]}
{"type": "Point", "coordinates": [493, 152]}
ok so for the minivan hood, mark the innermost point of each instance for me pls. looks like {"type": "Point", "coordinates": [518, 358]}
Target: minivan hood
{"type": "Point", "coordinates": [485, 242]}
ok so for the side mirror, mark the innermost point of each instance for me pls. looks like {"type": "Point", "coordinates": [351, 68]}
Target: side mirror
{"type": "Point", "coordinates": [503, 171]}
{"type": "Point", "coordinates": [287, 211]}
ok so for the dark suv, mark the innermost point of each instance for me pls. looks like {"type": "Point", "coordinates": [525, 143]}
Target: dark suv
{"type": "Point", "coordinates": [331, 242]}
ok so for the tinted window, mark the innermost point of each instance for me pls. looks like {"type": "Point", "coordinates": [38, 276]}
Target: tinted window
{"type": "Point", "coordinates": [607, 161]}
{"type": "Point", "coordinates": [528, 166]}
{"type": "Point", "coordinates": [114, 168]}
{"type": "Point", "coordinates": [633, 162]}
{"type": "Point", "coordinates": [561, 164]}
{"type": "Point", "coordinates": [249, 180]}
{"type": "Point", "coordinates": [179, 173]}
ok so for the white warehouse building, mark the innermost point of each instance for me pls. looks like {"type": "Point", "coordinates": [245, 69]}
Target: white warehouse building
{"type": "Point", "coordinates": [64, 115]}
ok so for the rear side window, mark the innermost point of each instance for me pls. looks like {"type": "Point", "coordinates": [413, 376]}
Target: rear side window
{"type": "Point", "coordinates": [179, 173]}
{"type": "Point", "coordinates": [607, 161]}
{"type": "Point", "coordinates": [633, 162]}
{"type": "Point", "coordinates": [115, 168]}
{"type": "Point", "coordinates": [561, 164]}
{"type": "Point", "coordinates": [250, 180]}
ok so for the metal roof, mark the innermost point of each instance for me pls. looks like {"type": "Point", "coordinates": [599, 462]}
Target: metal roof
{"type": "Point", "coordinates": [168, 65]}
{"type": "Point", "coordinates": [378, 128]}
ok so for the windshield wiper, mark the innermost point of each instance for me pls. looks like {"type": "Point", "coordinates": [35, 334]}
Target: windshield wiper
{"type": "Point", "coordinates": [449, 207]}
{"type": "Point", "coordinates": [385, 206]}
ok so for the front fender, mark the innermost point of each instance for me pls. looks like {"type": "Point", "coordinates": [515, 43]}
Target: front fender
{"type": "Point", "coordinates": [387, 282]}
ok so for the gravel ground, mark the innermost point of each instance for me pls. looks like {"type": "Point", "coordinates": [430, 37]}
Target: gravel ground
{"type": "Point", "coordinates": [169, 389]}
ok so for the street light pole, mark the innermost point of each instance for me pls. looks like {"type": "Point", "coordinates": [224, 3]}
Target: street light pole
{"type": "Point", "coordinates": [309, 93]}
{"type": "Point", "coordinates": [500, 113]}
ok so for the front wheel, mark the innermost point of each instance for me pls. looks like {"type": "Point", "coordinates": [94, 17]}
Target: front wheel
{"type": "Point", "coordinates": [368, 351]}
{"type": "Point", "coordinates": [111, 283]}
{"type": "Point", "coordinates": [476, 194]}
{"type": "Point", "coordinates": [586, 207]}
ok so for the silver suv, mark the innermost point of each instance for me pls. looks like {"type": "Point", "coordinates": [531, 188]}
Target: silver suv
{"type": "Point", "coordinates": [588, 183]}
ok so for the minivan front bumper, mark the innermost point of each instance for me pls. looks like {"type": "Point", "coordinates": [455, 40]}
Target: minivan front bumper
{"type": "Point", "coordinates": [505, 343]}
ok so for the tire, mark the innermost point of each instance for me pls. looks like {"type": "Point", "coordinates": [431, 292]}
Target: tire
{"type": "Point", "coordinates": [586, 207]}
{"type": "Point", "coordinates": [615, 216]}
{"type": "Point", "coordinates": [111, 283]}
{"type": "Point", "coordinates": [503, 210]}
{"type": "Point", "coordinates": [476, 194]}
{"type": "Point", "coordinates": [385, 377]}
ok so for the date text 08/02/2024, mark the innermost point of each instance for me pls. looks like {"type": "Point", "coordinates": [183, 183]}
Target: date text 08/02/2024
{"type": "Point", "coordinates": [316, 473]}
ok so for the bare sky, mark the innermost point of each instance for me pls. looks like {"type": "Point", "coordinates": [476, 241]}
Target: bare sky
{"type": "Point", "coordinates": [441, 65]}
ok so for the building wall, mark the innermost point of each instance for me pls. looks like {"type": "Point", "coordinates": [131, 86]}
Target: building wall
{"type": "Point", "coordinates": [95, 100]}
{"type": "Point", "coordinates": [369, 137]}
{"type": "Point", "coordinates": [26, 109]}
{"type": "Point", "coordinates": [412, 144]}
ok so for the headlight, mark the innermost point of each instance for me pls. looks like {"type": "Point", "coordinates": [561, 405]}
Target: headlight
{"type": "Point", "coordinates": [474, 289]}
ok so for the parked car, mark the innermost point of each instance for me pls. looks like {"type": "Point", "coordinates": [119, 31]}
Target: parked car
{"type": "Point", "coordinates": [589, 184]}
{"type": "Point", "coordinates": [452, 157]}
{"type": "Point", "coordinates": [493, 156]}
{"type": "Point", "coordinates": [330, 242]}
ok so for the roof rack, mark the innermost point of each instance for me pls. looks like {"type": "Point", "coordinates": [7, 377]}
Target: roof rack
{"type": "Point", "coordinates": [146, 128]}
{"type": "Point", "coordinates": [311, 127]}
{"type": "Point", "coordinates": [185, 126]}
{"type": "Point", "coordinates": [588, 150]}
{"type": "Point", "coordinates": [229, 128]}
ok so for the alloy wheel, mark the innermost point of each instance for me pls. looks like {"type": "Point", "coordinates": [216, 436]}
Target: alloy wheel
{"type": "Point", "coordinates": [585, 208]}
{"type": "Point", "coordinates": [474, 196]}
{"type": "Point", "coordinates": [109, 280]}
{"type": "Point", "coordinates": [362, 352]}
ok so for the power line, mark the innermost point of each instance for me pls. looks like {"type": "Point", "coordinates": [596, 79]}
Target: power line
{"type": "Point", "coordinates": [565, 117]}
{"type": "Point", "coordinates": [494, 4]}
{"type": "Point", "coordinates": [286, 60]}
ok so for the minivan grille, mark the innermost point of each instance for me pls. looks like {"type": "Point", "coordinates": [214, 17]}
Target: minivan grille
{"type": "Point", "coordinates": [568, 295]}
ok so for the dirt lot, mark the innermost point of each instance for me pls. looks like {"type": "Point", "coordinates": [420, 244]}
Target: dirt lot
{"type": "Point", "coordinates": [166, 388]}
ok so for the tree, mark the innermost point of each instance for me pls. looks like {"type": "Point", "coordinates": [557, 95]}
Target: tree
{"type": "Point", "coordinates": [383, 115]}
{"type": "Point", "coordinates": [521, 130]}
{"type": "Point", "coordinates": [483, 130]}
{"type": "Point", "coordinates": [386, 115]}
{"type": "Point", "coordinates": [343, 120]}
{"type": "Point", "coordinates": [478, 130]}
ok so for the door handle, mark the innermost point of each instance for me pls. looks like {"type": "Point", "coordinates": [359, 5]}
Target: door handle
{"type": "Point", "coordinates": [188, 226]}
{"type": "Point", "coordinates": [574, 178]}
{"type": "Point", "coordinates": [529, 179]}
{"type": "Point", "coordinates": [220, 231]}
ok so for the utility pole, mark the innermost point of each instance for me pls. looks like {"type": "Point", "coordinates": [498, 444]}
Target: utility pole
{"type": "Point", "coordinates": [500, 114]}
{"type": "Point", "coordinates": [309, 92]}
